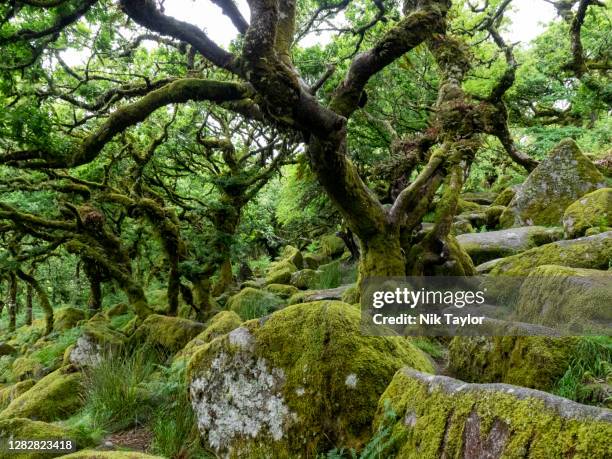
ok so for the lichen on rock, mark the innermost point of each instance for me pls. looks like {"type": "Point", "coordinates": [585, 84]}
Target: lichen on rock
{"type": "Point", "coordinates": [295, 383]}
{"type": "Point", "coordinates": [593, 210]}
{"type": "Point", "coordinates": [564, 176]}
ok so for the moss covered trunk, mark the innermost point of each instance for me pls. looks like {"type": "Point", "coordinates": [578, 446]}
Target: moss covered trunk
{"type": "Point", "coordinates": [43, 299]}
{"type": "Point", "coordinates": [381, 256]}
{"type": "Point", "coordinates": [12, 301]}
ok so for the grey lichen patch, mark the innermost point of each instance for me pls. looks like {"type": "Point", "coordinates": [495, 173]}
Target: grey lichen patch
{"type": "Point", "coordinates": [239, 397]}
{"type": "Point", "coordinates": [351, 380]}
{"type": "Point", "coordinates": [241, 337]}
{"type": "Point", "coordinates": [86, 352]}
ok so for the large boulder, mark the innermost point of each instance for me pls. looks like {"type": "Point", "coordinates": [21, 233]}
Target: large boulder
{"type": "Point", "coordinates": [593, 252]}
{"type": "Point", "coordinates": [169, 334]}
{"type": "Point", "coordinates": [437, 416]}
{"type": "Point", "coordinates": [21, 428]}
{"type": "Point", "coordinates": [292, 255]}
{"type": "Point", "coordinates": [10, 393]}
{"type": "Point", "coordinates": [250, 303]}
{"type": "Point", "coordinates": [281, 290]}
{"type": "Point", "coordinates": [295, 384]}
{"type": "Point", "coordinates": [27, 368]}
{"type": "Point", "coordinates": [558, 181]}
{"type": "Point", "coordinates": [314, 260]}
{"type": "Point", "coordinates": [576, 298]}
{"type": "Point", "coordinates": [593, 210]}
{"type": "Point", "coordinates": [280, 272]}
{"type": "Point", "coordinates": [332, 246]}
{"type": "Point", "coordinates": [506, 195]}
{"type": "Point", "coordinates": [305, 279]}
{"type": "Point", "coordinates": [537, 362]}
{"type": "Point", "coordinates": [56, 396]}
{"type": "Point", "coordinates": [482, 247]}
{"type": "Point", "coordinates": [308, 296]}
{"type": "Point", "coordinates": [96, 339]}
{"type": "Point", "coordinates": [68, 317]}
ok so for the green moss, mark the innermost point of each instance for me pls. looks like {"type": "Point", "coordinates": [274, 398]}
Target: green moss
{"type": "Point", "coordinates": [68, 317]}
{"type": "Point", "coordinates": [537, 362]}
{"type": "Point", "coordinates": [280, 272]}
{"type": "Point", "coordinates": [575, 298]}
{"type": "Point", "coordinates": [10, 393]}
{"type": "Point", "coordinates": [332, 246]}
{"type": "Point", "coordinates": [55, 396]}
{"type": "Point", "coordinates": [250, 303]}
{"type": "Point", "coordinates": [442, 417]}
{"type": "Point", "coordinates": [220, 324]}
{"type": "Point", "coordinates": [592, 210]}
{"type": "Point", "coordinates": [593, 252]}
{"type": "Point", "coordinates": [35, 430]}
{"type": "Point", "coordinates": [314, 260]}
{"type": "Point", "coordinates": [166, 333]}
{"type": "Point", "coordinates": [351, 295]}
{"type": "Point", "coordinates": [116, 310]}
{"type": "Point", "coordinates": [305, 278]}
{"type": "Point", "coordinates": [307, 378]}
{"type": "Point", "coordinates": [459, 262]}
{"type": "Point", "coordinates": [505, 196]}
{"type": "Point", "coordinates": [467, 206]}
{"type": "Point", "coordinates": [282, 290]}
{"type": "Point", "coordinates": [26, 368]}
{"type": "Point", "coordinates": [293, 255]}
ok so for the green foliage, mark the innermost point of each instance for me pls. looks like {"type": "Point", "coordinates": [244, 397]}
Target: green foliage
{"type": "Point", "coordinates": [174, 426]}
{"type": "Point", "coordinates": [115, 395]}
{"type": "Point", "coordinates": [591, 363]}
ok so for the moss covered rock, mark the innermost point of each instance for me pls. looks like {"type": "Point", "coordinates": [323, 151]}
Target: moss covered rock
{"type": "Point", "coordinates": [167, 333]}
{"type": "Point", "coordinates": [593, 252]}
{"type": "Point", "coordinates": [220, 324]}
{"type": "Point", "coordinates": [332, 246]}
{"type": "Point", "coordinates": [27, 368]}
{"type": "Point", "coordinates": [250, 303]}
{"type": "Point", "coordinates": [482, 247]}
{"type": "Point", "coordinates": [116, 310]}
{"type": "Point", "coordinates": [467, 206]}
{"type": "Point", "coordinates": [97, 337]}
{"type": "Point", "coordinates": [282, 290]}
{"type": "Point", "coordinates": [592, 210]}
{"type": "Point", "coordinates": [298, 383]}
{"type": "Point", "coordinates": [304, 279]}
{"type": "Point", "coordinates": [56, 396]}
{"type": "Point", "coordinates": [537, 362]}
{"type": "Point", "coordinates": [293, 255]}
{"type": "Point", "coordinates": [351, 295]}
{"type": "Point", "coordinates": [21, 428]}
{"type": "Point", "coordinates": [280, 272]}
{"type": "Point", "coordinates": [564, 176]}
{"type": "Point", "coordinates": [484, 198]}
{"type": "Point", "coordinates": [505, 196]}
{"type": "Point", "coordinates": [68, 317]}
{"type": "Point", "coordinates": [10, 393]}
{"type": "Point", "coordinates": [576, 298]}
{"type": "Point", "coordinates": [314, 260]}
{"type": "Point", "coordinates": [437, 416]}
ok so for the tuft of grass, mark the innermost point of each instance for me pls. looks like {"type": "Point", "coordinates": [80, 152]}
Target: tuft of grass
{"type": "Point", "coordinates": [591, 364]}
{"type": "Point", "coordinates": [430, 346]}
{"type": "Point", "coordinates": [260, 306]}
{"type": "Point", "coordinates": [51, 354]}
{"type": "Point", "coordinates": [115, 397]}
{"type": "Point", "coordinates": [330, 275]}
{"type": "Point", "coordinates": [260, 265]}
{"type": "Point", "coordinates": [380, 446]}
{"type": "Point", "coordinates": [174, 425]}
